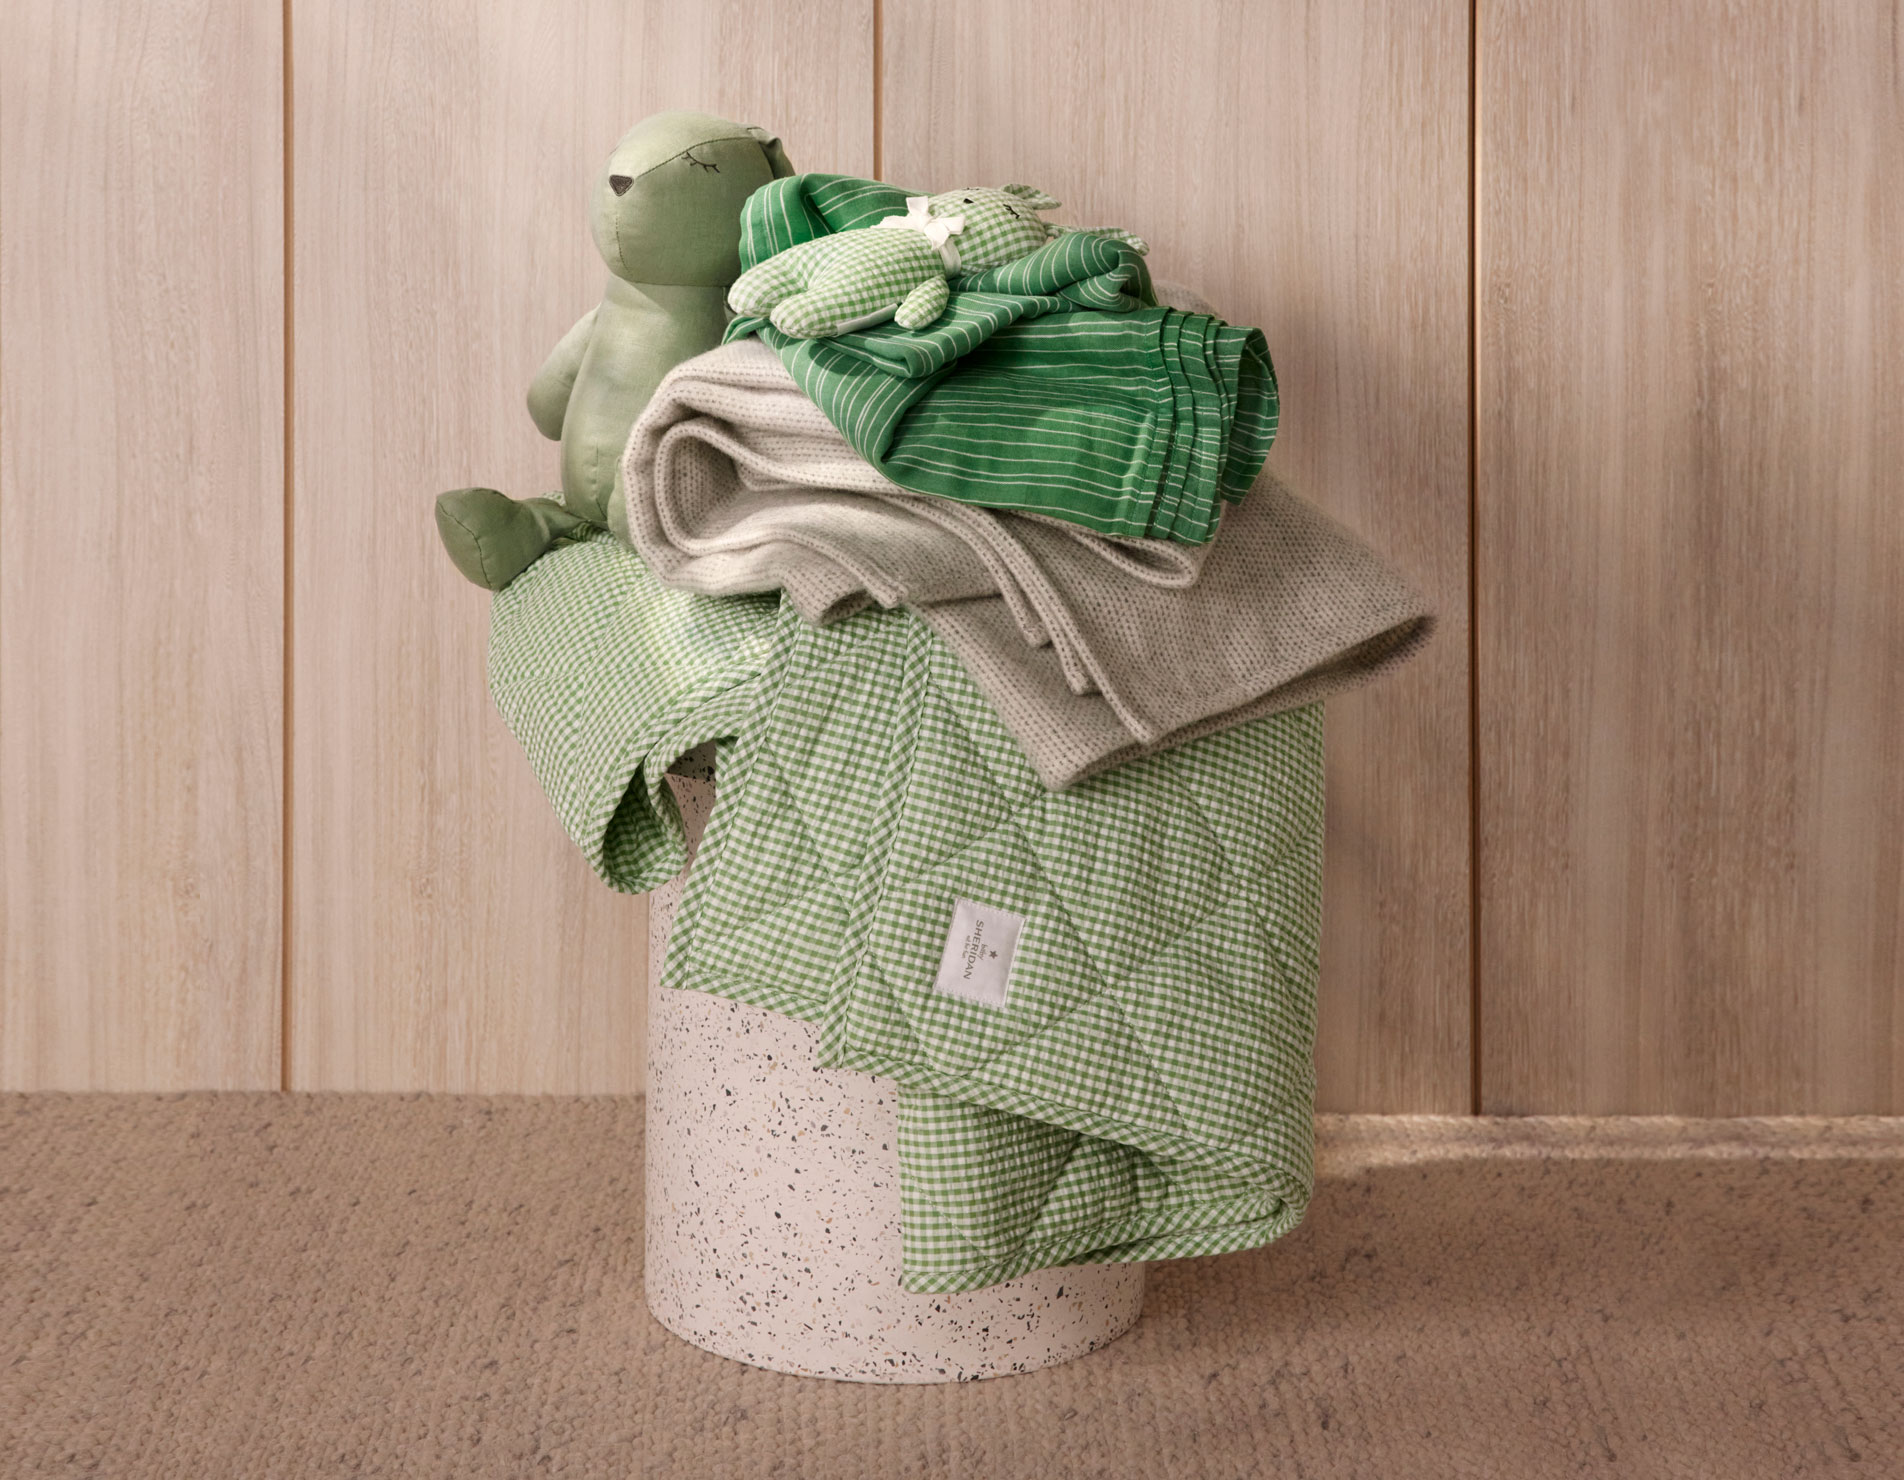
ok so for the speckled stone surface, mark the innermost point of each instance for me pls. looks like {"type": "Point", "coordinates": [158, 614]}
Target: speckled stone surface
{"type": "Point", "coordinates": [773, 1204]}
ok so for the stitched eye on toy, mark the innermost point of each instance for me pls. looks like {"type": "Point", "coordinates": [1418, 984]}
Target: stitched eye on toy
{"type": "Point", "coordinates": [620, 183]}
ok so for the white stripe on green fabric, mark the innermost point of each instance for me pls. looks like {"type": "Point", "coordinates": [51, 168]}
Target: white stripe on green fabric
{"type": "Point", "coordinates": [1124, 417]}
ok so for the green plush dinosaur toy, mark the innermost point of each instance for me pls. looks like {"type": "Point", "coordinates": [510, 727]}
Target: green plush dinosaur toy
{"type": "Point", "coordinates": [665, 214]}
{"type": "Point", "coordinates": [897, 269]}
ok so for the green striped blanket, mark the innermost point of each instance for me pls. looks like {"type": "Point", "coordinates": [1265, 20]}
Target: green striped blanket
{"type": "Point", "coordinates": [1132, 1080]}
{"type": "Point", "coordinates": [1053, 384]}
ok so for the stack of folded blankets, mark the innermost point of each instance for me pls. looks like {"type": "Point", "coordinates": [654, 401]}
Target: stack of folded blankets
{"type": "Point", "coordinates": [1013, 657]}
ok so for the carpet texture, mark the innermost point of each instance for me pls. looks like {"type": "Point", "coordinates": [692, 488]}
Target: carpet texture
{"type": "Point", "coordinates": [277, 1286]}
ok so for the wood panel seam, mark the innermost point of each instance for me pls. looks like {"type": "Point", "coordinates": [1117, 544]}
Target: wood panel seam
{"type": "Point", "coordinates": [1475, 1087]}
{"type": "Point", "coordinates": [287, 680]}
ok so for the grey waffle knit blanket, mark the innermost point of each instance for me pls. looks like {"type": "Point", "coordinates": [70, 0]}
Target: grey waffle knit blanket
{"type": "Point", "coordinates": [1092, 650]}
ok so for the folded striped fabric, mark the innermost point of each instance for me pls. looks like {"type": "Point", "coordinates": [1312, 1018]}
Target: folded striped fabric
{"type": "Point", "coordinates": [1053, 384]}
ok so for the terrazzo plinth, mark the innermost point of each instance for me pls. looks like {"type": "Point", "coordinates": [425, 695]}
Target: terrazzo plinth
{"type": "Point", "coordinates": [773, 1205]}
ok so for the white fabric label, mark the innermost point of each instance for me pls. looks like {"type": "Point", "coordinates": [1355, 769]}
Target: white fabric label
{"type": "Point", "coordinates": [978, 953]}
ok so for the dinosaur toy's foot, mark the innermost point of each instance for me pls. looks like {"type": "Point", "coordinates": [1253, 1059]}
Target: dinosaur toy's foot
{"type": "Point", "coordinates": [493, 538]}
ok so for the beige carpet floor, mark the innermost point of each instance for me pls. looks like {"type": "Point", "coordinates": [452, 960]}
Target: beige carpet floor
{"type": "Point", "coordinates": [203, 1286]}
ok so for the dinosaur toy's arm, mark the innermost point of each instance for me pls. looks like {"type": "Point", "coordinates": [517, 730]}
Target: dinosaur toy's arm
{"type": "Point", "coordinates": [549, 391]}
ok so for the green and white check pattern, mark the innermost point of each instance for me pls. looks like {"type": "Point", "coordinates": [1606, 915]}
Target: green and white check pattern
{"type": "Point", "coordinates": [1147, 1091]}
{"type": "Point", "coordinates": [1052, 383]}
{"type": "Point", "coordinates": [815, 289]}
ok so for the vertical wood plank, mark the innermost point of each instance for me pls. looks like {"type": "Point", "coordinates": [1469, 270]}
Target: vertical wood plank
{"type": "Point", "coordinates": [1690, 529]}
{"type": "Point", "coordinates": [141, 544]}
{"type": "Point", "coordinates": [446, 935]}
{"type": "Point", "coordinates": [1305, 167]}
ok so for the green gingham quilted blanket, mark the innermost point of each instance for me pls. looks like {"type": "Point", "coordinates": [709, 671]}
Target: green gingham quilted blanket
{"type": "Point", "coordinates": [1052, 384]}
{"type": "Point", "coordinates": [1126, 1075]}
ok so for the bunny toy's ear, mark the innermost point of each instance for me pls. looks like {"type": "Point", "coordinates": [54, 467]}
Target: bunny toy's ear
{"type": "Point", "coordinates": [776, 156]}
{"type": "Point", "coordinates": [1033, 197]}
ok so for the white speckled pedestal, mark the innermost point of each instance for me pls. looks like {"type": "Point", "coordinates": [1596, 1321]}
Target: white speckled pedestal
{"type": "Point", "coordinates": [773, 1205]}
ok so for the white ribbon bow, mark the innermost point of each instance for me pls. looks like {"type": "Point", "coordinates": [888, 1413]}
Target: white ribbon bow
{"type": "Point", "coordinates": [939, 230]}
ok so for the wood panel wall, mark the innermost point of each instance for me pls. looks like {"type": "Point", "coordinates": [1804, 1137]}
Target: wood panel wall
{"type": "Point", "coordinates": [1304, 167]}
{"type": "Point", "coordinates": [141, 543]}
{"type": "Point", "coordinates": [1690, 538]}
{"type": "Point", "coordinates": [445, 932]}
{"type": "Point", "coordinates": [1679, 452]}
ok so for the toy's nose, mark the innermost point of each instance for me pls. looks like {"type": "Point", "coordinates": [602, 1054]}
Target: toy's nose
{"type": "Point", "coordinates": [620, 183]}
